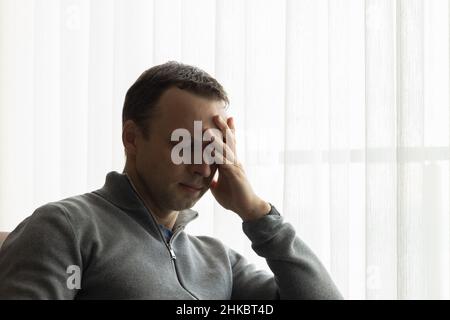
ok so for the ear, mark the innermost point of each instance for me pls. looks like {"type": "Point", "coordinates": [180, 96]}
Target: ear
{"type": "Point", "coordinates": [130, 132]}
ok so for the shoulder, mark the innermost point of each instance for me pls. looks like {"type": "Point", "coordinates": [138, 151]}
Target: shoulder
{"type": "Point", "coordinates": [74, 215]}
{"type": "Point", "coordinates": [76, 209]}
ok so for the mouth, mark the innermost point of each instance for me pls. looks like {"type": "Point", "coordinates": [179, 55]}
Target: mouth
{"type": "Point", "coordinates": [191, 188]}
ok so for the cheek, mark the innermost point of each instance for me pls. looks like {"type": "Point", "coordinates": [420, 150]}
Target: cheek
{"type": "Point", "coordinates": [144, 157]}
{"type": "Point", "coordinates": [167, 166]}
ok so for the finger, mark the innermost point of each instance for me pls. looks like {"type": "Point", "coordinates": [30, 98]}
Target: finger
{"type": "Point", "coordinates": [218, 152]}
{"type": "Point", "coordinates": [223, 154]}
{"type": "Point", "coordinates": [212, 135]}
{"type": "Point", "coordinates": [226, 145]}
{"type": "Point", "coordinates": [230, 123]}
{"type": "Point", "coordinates": [230, 140]}
{"type": "Point", "coordinates": [228, 132]}
{"type": "Point", "coordinates": [220, 123]}
{"type": "Point", "coordinates": [223, 126]}
{"type": "Point", "coordinates": [216, 135]}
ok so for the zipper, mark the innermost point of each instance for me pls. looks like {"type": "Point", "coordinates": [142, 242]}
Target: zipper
{"type": "Point", "coordinates": [172, 253]}
{"type": "Point", "coordinates": [174, 257]}
{"type": "Point", "coordinates": [168, 244]}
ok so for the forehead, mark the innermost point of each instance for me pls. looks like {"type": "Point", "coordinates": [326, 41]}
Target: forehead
{"type": "Point", "coordinates": [179, 108]}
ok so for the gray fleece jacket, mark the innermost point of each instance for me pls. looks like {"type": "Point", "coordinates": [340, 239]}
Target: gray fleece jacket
{"type": "Point", "coordinates": [121, 254]}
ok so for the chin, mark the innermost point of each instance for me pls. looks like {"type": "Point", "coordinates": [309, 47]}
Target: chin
{"type": "Point", "coordinates": [183, 205]}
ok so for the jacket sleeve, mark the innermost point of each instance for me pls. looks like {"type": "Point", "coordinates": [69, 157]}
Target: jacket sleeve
{"type": "Point", "coordinates": [39, 259]}
{"type": "Point", "coordinates": [297, 272]}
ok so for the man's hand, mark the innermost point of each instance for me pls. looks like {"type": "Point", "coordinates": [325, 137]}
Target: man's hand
{"type": "Point", "coordinates": [232, 189]}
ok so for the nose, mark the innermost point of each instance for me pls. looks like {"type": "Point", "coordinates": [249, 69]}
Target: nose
{"type": "Point", "coordinates": [202, 169]}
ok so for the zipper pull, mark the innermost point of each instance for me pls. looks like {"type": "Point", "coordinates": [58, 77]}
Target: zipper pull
{"type": "Point", "coordinates": [172, 253]}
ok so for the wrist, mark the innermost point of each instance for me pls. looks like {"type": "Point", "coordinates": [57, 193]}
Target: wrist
{"type": "Point", "coordinates": [259, 210]}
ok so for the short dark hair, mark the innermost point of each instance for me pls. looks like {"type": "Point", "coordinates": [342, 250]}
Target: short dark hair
{"type": "Point", "coordinates": [144, 94]}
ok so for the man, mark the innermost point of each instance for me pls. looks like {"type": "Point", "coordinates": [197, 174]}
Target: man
{"type": "Point", "coordinates": [126, 240]}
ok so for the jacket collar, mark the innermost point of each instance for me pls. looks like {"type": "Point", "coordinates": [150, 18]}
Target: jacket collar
{"type": "Point", "coordinates": [119, 191]}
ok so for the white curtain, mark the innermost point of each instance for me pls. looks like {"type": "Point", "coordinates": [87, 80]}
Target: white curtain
{"type": "Point", "coordinates": [341, 106]}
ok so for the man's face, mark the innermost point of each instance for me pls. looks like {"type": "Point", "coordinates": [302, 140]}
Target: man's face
{"type": "Point", "coordinates": [171, 186]}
